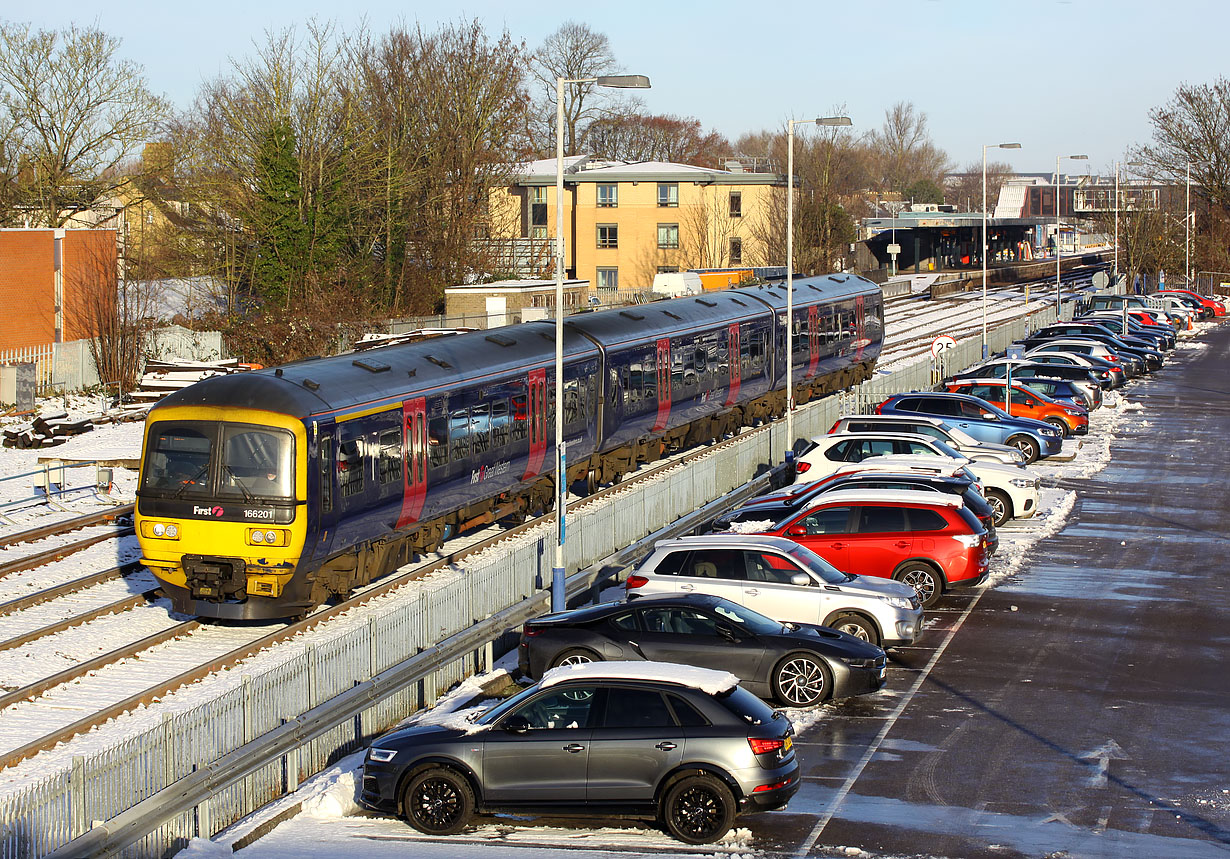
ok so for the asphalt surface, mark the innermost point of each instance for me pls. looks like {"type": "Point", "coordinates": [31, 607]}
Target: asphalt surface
{"type": "Point", "coordinates": [1081, 708]}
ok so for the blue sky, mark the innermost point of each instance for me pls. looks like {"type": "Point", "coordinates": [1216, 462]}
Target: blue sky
{"type": "Point", "coordinates": [1058, 76]}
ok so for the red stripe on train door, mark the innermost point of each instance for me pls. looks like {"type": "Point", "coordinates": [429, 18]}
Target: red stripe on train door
{"type": "Point", "coordinates": [537, 406]}
{"type": "Point", "coordinates": [732, 364]}
{"type": "Point", "coordinates": [860, 327]}
{"type": "Point", "coordinates": [813, 340]}
{"type": "Point", "coordinates": [414, 461]}
{"type": "Point", "coordinates": [664, 384]}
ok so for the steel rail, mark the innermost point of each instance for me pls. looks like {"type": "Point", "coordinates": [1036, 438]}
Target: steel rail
{"type": "Point", "coordinates": [59, 553]}
{"type": "Point", "coordinates": [121, 605]}
{"type": "Point", "coordinates": [63, 526]}
{"type": "Point", "coordinates": [48, 594]}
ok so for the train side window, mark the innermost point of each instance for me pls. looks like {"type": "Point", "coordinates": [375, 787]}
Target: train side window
{"type": "Point", "coordinates": [649, 378]}
{"type": "Point", "coordinates": [437, 441]}
{"type": "Point", "coordinates": [572, 401]}
{"type": "Point", "coordinates": [388, 463]}
{"type": "Point", "coordinates": [745, 354]}
{"type": "Point", "coordinates": [632, 385]}
{"type": "Point", "coordinates": [325, 458]}
{"type": "Point", "coordinates": [520, 418]}
{"type": "Point", "coordinates": [499, 423]}
{"type": "Point", "coordinates": [757, 347]}
{"type": "Point", "coordinates": [480, 427]}
{"type": "Point", "coordinates": [459, 435]}
{"type": "Point", "coordinates": [350, 466]}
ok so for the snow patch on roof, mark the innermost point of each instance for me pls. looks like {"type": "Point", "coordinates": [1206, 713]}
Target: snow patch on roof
{"type": "Point", "coordinates": [704, 679]}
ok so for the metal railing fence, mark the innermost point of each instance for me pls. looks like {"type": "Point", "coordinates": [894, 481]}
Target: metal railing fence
{"type": "Point", "coordinates": [40, 818]}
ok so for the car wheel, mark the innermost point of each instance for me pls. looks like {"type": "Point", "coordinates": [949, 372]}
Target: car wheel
{"type": "Point", "coordinates": [1027, 446]}
{"type": "Point", "coordinates": [698, 809]}
{"type": "Point", "coordinates": [575, 656]}
{"type": "Point", "coordinates": [859, 627]}
{"type": "Point", "coordinates": [1058, 424]}
{"type": "Point", "coordinates": [801, 680]}
{"type": "Point", "coordinates": [1001, 506]}
{"type": "Point", "coordinates": [438, 801]}
{"type": "Point", "coordinates": [923, 579]}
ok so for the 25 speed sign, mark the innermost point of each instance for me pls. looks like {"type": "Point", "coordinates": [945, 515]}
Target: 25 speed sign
{"type": "Point", "coordinates": [939, 344]}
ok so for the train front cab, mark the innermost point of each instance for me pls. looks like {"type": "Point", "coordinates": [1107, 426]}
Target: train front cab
{"type": "Point", "coordinates": [220, 511]}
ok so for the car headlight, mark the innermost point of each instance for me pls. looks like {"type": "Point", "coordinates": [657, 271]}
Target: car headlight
{"type": "Point", "coordinates": [898, 602]}
{"type": "Point", "coordinates": [381, 756]}
{"type": "Point", "coordinates": [1071, 411]}
{"type": "Point", "coordinates": [1050, 432]}
{"type": "Point", "coordinates": [859, 663]}
{"type": "Point", "coordinates": [1023, 482]}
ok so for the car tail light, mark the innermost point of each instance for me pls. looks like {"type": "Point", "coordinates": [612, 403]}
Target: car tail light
{"type": "Point", "coordinates": [802, 467]}
{"type": "Point", "coordinates": [969, 541]}
{"type": "Point", "coordinates": [880, 408]}
{"type": "Point", "coordinates": [764, 747]}
{"type": "Point", "coordinates": [635, 582]}
{"type": "Point", "coordinates": [528, 631]}
{"type": "Point", "coordinates": [1114, 358]}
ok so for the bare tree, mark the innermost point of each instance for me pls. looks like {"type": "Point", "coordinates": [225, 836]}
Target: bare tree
{"type": "Point", "coordinates": [75, 113]}
{"type": "Point", "coordinates": [903, 151]}
{"type": "Point", "coordinates": [964, 189]}
{"type": "Point", "coordinates": [1193, 128]}
{"type": "Point", "coordinates": [638, 137]}
{"type": "Point", "coordinates": [572, 52]}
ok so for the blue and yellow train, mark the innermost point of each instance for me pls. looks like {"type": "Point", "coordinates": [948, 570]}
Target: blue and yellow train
{"type": "Point", "coordinates": [263, 494]}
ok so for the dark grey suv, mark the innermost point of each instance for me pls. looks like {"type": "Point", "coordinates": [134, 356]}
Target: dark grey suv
{"type": "Point", "coordinates": [686, 746]}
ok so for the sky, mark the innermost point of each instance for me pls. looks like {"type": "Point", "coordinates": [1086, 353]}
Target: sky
{"type": "Point", "coordinates": [1060, 77]}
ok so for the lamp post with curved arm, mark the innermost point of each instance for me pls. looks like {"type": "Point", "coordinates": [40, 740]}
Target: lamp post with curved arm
{"type": "Point", "coordinates": [1058, 255]}
{"type": "Point", "coordinates": [985, 147]}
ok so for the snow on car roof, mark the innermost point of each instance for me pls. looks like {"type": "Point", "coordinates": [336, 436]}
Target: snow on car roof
{"type": "Point", "coordinates": [900, 496]}
{"type": "Point", "coordinates": [895, 461]}
{"type": "Point", "coordinates": [704, 679]}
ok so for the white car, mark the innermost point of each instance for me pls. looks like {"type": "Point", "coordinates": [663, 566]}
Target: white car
{"type": "Point", "coordinates": [782, 580]}
{"type": "Point", "coordinates": [926, 425]}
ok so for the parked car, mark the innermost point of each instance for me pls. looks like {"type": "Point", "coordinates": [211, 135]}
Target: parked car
{"type": "Point", "coordinates": [1132, 366]}
{"type": "Point", "coordinates": [783, 580]}
{"type": "Point", "coordinates": [966, 445]}
{"type": "Point", "coordinates": [1060, 390]}
{"type": "Point", "coordinates": [795, 664]}
{"type": "Point", "coordinates": [1162, 337]}
{"type": "Point", "coordinates": [979, 419]}
{"type": "Point", "coordinates": [687, 746]}
{"type": "Point", "coordinates": [1198, 303]}
{"type": "Point", "coordinates": [777, 505]}
{"type": "Point", "coordinates": [1146, 351]}
{"type": "Point", "coordinates": [1110, 374]}
{"type": "Point", "coordinates": [1178, 319]}
{"type": "Point", "coordinates": [1068, 418]}
{"type": "Point", "coordinates": [1083, 379]}
{"type": "Point", "coordinates": [830, 453]}
{"type": "Point", "coordinates": [1212, 305]}
{"type": "Point", "coordinates": [924, 539]}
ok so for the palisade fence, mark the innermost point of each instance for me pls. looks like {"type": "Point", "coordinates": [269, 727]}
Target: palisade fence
{"type": "Point", "coordinates": [37, 819]}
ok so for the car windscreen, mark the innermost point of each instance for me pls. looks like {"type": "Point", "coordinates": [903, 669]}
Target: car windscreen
{"type": "Point", "coordinates": [505, 706]}
{"type": "Point", "coordinates": [826, 571]}
{"type": "Point", "coordinates": [747, 619]}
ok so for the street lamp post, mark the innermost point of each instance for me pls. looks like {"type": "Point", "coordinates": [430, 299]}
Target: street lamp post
{"type": "Point", "coordinates": [1118, 165]}
{"type": "Point", "coordinates": [985, 147]}
{"type": "Point", "coordinates": [831, 121]}
{"type": "Point", "coordinates": [1058, 255]}
{"type": "Point", "coordinates": [558, 600]}
{"type": "Point", "coordinates": [1187, 239]}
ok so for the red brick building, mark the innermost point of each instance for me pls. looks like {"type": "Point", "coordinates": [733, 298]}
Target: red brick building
{"type": "Point", "coordinates": [54, 284]}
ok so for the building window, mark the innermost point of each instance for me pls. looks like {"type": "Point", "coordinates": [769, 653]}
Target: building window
{"type": "Point", "coordinates": [608, 235]}
{"type": "Point", "coordinates": [736, 251]}
{"type": "Point", "coordinates": [668, 235]}
{"type": "Point", "coordinates": [538, 213]}
{"type": "Point", "coordinates": [736, 204]}
{"type": "Point", "coordinates": [668, 194]}
{"type": "Point", "coordinates": [668, 269]}
{"type": "Point", "coordinates": [608, 279]}
{"type": "Point", "coordinates": [608, 196]}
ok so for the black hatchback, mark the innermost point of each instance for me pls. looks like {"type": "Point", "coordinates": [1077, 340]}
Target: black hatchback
{"type": "Point", "coordinates": [685, 746]}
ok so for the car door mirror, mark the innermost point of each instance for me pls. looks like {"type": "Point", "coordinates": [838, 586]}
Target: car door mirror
{"type": "Point", "coordinates": [727, 632]}
{"type": "Point", "coordinates": [516, 725]}
{"type": "Point", "coordinates": [796, 531]}
{"type": "Point", "coordinates": [800, 579]}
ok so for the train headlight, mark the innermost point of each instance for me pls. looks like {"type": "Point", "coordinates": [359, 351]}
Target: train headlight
{"type": "Point", "coordinates": [172, 531]}
{"type": "Point", "coordinates": [258, 536]}
{"type": "Point", "coordinates": [159, 529]}
{"type": "Point", "coordinates": [261, 537]}
{"type": "Point", "coordinates": [271, 538]}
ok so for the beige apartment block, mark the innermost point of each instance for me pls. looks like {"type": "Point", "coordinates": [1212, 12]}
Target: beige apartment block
{"type": "Point", "coordinates": [625, 222]}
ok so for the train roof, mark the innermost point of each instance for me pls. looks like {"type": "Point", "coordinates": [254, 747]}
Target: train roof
{"type": "Point", "coordinates": [389, 373]}
{"type": "Point", "coordinates": [812, 290]}
{"type": "Point", "coordinates": [670, 317]}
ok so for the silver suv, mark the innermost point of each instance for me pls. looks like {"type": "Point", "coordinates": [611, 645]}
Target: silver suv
{"type": "Point", "coordinates": [782, 580]}
{"type": "Point", "coordinates": [964, 444]}
{"type": "Point", "coordinates": [683, 745]}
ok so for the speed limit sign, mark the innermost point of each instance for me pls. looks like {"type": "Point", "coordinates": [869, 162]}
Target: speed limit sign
{"type": "Point", "coordinates": [939, 344]}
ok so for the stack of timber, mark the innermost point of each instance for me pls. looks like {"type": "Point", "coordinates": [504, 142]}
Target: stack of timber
{"type": "Point", "coordinates": [46, 431]}
{"type": "Point", "coordinates": [163, 377]}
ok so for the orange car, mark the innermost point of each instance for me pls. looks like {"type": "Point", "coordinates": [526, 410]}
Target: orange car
{"type": "Point", "coordinates": [1069, 418]}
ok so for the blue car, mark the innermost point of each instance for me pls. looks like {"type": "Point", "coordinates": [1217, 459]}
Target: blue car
{"type": "Point", "coordinates": [980, 419]}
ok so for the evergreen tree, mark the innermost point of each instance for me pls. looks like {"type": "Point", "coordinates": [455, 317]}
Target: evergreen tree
{"type": "Point", "coordinates": [280, 234]}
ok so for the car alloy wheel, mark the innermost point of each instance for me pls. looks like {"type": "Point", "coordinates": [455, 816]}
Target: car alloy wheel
{"type": "Point", "coordinates": [1058, 424]}
{"type": "Point", "coordinates": [438, 801]}
{"type": "Point", "coordinates": [698, 809]}
{"type": "Point", "coordinates": [852, 624]}
{"type": "Point", "coordinates": [924, 581]}
{"type": "Point", "coordinates": [801, 681]}
{"type": "Point", "coordinates": [1027, 446]}
{"type": "Point", "coordinates": [575, 656]}
{"type": "Point", "coordinates": [1001, 507]}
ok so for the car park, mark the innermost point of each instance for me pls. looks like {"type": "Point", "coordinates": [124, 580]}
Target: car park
{"type": "Point", "coordinates": [1061, 390]}
{"type": "Point", "coordinates": [777, 505]}
{"type": "Point", "coordinates": [1151, 356]}
{"type": "Point", "coordinates": [1197, 303]}
{"type": "Point", "coordinates": [1068, 418]}
{"type": "Point", "coordinates": [979, 419]}
{"type": "Point", "coordinates": [1177, 314]}
{"type": "Point", "coordinates": [794, 664]}
{"type": "Point", "coordinates": [831, 453]}
{"type": "Point", "coordinates": [963, 443]}
{"type": "Point", "coordinates": [1110, 375]}
{"type": "Point", "coordinates": [925, 539]}
{"type": "Point", "coordinates": [1212, 305]}
{"type": "Point", "coordinates": [1162, 337]}
{"type": "Point", "coordinates": [1132, 366]}
{"type": "Point", "coordinates": [684, 745]}
{"type": "Point", "coordinates": [783, 580]}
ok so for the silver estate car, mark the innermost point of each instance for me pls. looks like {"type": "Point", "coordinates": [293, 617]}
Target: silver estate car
{"type": "Point", "coordinates": [683, 745]}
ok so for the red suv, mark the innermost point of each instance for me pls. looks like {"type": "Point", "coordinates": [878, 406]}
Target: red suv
{"type": "Point", "coordinates": [928, 540]}
{"type": "Point", "coordinates": [1069, 418]}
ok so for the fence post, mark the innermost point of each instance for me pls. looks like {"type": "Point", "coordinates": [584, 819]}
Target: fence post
{"type": "Point", "coordinates": [76, 796]}
{"type": "Point", "coordinates": [168, 750]}
{"type": "Point", "coordinates": [249, 734]}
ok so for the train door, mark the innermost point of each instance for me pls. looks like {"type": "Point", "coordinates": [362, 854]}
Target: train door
{"type": "Point", "coordinates": [860, 327]}
{"type": "Point", "coordinates": [537, 405]}
{"type": "Point", "coordinates": [414, 471]}
{"type": "Point", "coordinates": [732, 364]}
{"type": "Point", "coordinates": [813, 339]}
{"type": "Point", "coordinates": [326, 489]}
{"type": "Point", "coordinates": [664, 384]}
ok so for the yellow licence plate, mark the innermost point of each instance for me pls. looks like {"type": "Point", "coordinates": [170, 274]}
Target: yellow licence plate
{"type": "Point", "coordinates": [789, 744]}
